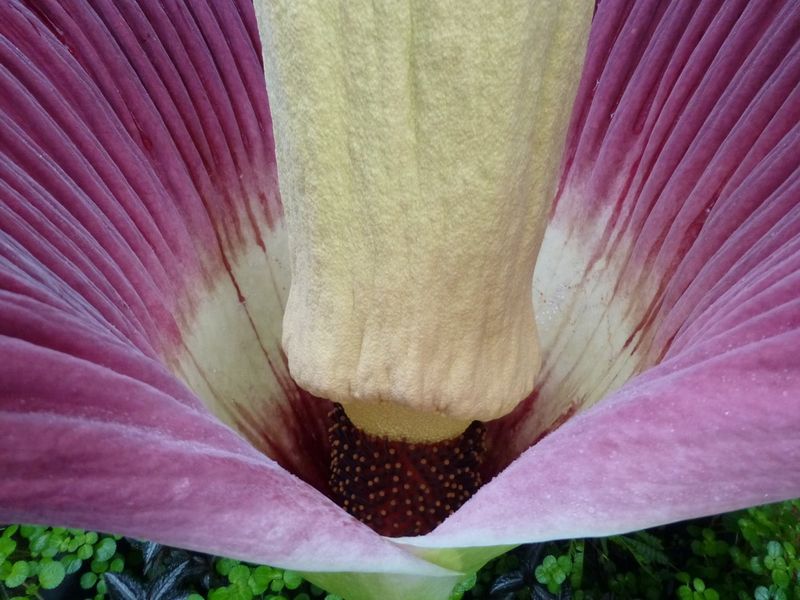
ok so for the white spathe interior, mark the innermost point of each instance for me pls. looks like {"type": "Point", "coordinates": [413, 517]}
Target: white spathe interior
{"type": "Point", "coordinates": [231, 355]}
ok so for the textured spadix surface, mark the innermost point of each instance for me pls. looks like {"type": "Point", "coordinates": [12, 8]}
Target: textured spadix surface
{"type": "Point", "coordinates": [143, 279]}
{"type": "Point", "coordinates": [418, 143]}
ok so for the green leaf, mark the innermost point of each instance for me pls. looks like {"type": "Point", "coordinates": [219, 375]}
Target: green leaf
{"type": "Point", "coordinates": [33, 568]}
{"type": "Point", "coordinates": [51, 574]}
{"type": "Point", "coordinates": [38, 542]}
{"type": "Point", "coordinates": [74, 544]}
{"type": "Point", "coordinates": [88, 580]}
{"type": "Point", "coordinates": [541, 574]}
{"type": "Point", "coordinates": [99, 566]}
{"type": "Point", "coordinates": [761, 593]}
{"type": "Point", "coordinates": [28, 531]}
{"type": "Point", "coordinates": [577, 550]}
{"type": "Point", "coordinates": [7, 546]}
{"type": "Point", "coordinates": [239, 574]}
{"type": "Point", "coordinates": [774, 549]}
{"type": "Point", "coordinates": [117, 565]}
{"type": "Point", "coordinates": [219, 594]}
{"type": "Point", "coordinates": [292, 579]}
{"type": "Point", "coordinates": [10, 530]}
{"type": "Point", "coordinates": [565, 563]}
{"type": "Point", "coordinates": [224, 565]}
{"type": "Point", "coordinates": [461, 587]}
{"type": "Point", "coordinates": [755, 565]}
{"type": "Point", "coordinates": [261, 577]}
{"type": "Point", "coordinates": [781, 578]}
{"type": "Point", "coordinates": [19, 573]}
{"type": "Point", "coordinates": [52, 547]}
{"type": "Point", "coordinates": [71, 563]}
{"type": "Point", "coordinates": [790, 550]}
{"type": "Point", "coordinates": [105, 549]}
{"type": "Point", "coordinates": [85, 552]}
{"type": "Point", "coordinates": [242, 593]}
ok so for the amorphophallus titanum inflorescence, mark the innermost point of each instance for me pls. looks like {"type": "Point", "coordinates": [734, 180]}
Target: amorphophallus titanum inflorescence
{"type": "Point", "coordinates": [144, 267]}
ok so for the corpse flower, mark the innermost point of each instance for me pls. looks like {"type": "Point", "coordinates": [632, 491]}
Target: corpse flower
{"type": "Point", "coordinates": [145, 273]}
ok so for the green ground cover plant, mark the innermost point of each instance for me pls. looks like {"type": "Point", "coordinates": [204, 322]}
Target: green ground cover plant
{"type": "Point", "coordinates": [746, 555]}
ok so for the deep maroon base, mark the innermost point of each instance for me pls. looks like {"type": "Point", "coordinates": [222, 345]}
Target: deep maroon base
{"type": "Point", "coordinates": [399, 488]}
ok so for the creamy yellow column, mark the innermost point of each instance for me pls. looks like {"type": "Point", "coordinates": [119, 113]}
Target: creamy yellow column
{"type": "Point", "coordinates": [418, 146]}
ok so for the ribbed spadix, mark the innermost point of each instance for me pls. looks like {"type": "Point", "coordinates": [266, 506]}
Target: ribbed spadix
{"type": "Point", "coordinates": [418, 146]}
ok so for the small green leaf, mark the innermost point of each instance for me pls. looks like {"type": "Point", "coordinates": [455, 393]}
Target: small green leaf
{"type": "Point", "coordinates": [51, 574]}
{"type": "Point", "coordinates": [755, 565]}
{"type": "Point", "coordinates": [117, 565]}
{"type": "Point", "coordinates": [105, 549]}
{"type": "Point", "coordinates": [27, 531]}
{"type": "Point", "coordinates": [239, 574]}
{"type": "Point", "coordinates": [74, 544]}
{"type": "Point", "coordinates": [292, 579]}
{"type": "Point", "coordinates": [99, 566]}
{"type": "Point", "coordinates": [261, 577]}
{"type": "Point", "coordinates": [85, 552]}
{"type": "Point", "coordinates": [33, 568]}
{"type": "Point", "coordinates": [19, 573]}
{"type": "Point", "coordinates": [71, 563]}
{"type": "Point", "coordinates": [224, 565]}
{"type": "Point", "coordinates": [576, 577]}
{"type": "Point", "coordinates": [774, 549]}
{"type": "Point", "coordinates": [219, 594]}
{"type": "Point", "coordinates": [565, 564]}
{"type": "Point", "coordinates": [88, 580]}
{"type": "Point", "coordinates": [781, 578]}
{"type": "Point", "coordinates": [10, 530]}
{"type": "Point", "coordinates": [38, 542]}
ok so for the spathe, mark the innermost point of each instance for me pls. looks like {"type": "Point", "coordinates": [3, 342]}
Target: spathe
{"type": "Point", "coordinates": [138, 204]}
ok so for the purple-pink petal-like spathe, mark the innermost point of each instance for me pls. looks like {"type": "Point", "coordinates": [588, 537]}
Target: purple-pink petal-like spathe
{"type": "Point", "coordinates": [143, 278]}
